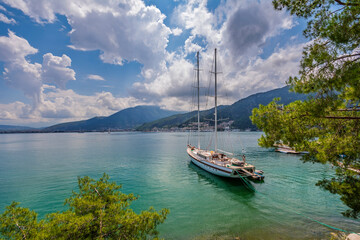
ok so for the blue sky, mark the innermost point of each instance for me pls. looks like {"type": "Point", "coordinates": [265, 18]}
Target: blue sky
{"type": "Point", "coordinates": [71, 60]}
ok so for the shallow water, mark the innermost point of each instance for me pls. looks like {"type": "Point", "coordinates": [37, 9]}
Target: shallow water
{"type": "Point", "coordinates": [40, 171]}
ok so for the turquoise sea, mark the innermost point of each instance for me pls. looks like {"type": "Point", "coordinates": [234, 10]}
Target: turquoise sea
{"type": "Point", "coordinates": [40, 171]}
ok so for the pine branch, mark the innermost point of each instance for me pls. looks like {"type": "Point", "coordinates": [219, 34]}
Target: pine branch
{"type": "Point", "coordinates": [16, 223]}
{"type": "Point", "coordinates": [349, 110]}
{"type": "Point", "coordinates": [347, 3]}
{"type": "Point", "coordinates": [330, 117]}
{"type": "Point", "coordinates": [337, 117]}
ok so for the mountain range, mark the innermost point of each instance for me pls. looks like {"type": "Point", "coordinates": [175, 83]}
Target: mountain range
{"type": "Point", "coordinates": [237, 113]}
{"type": "Point", "coordinates": [9, 128]}
{"type": "Point", "coordinates": [126, 119]}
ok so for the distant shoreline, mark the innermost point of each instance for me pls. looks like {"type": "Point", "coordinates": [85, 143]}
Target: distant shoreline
{"type": "Point", "coordinates": [119, 130]}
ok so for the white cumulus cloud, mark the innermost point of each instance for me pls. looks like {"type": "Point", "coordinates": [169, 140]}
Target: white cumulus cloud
{"type": "Point", "coordinates": [14, 48]}
{"type": "Point", "coordinates": [239, 29]}
{"type": "Point", "coordinates": [45, 85]}
{"type": "Point", "coordinates": [123, 30]}
{"type": "Point", "coordinates": [30, 77]}
{"type": "Point", "coordinates": [7, 20]}
{"type": "Point", "coordinates": [249, 25]}
{"type": "Point", "coordinates": [176, 31]}
{"type": "Point", "coordinates": [95, 77]}
{"type": "Point", "coordinates": [55, 70]}
{"type": "Point", "coordinates": [18, 72]}
{"type": "Point", "coordinates": [173, 82]}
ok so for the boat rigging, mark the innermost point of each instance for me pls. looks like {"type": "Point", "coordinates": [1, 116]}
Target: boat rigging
{"type": "Point", "coordinates": [219, 162]}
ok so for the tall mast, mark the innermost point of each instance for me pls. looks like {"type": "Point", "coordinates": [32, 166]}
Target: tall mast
{"type": "Point", "coordinates": [215, 103]}
{"type": "Point", "coordinates": [198, 96]}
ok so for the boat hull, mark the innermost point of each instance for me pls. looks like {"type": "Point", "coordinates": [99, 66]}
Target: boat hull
{"type": "Point", "coordinates": [212, 168]}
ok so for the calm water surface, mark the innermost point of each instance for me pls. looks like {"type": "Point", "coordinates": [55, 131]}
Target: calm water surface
{"type": "Point", "coordinates": [40, 171]}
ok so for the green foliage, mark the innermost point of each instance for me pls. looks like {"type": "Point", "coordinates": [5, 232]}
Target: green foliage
{"type": "Point", "coordinates": [98, 211]}
{"type": "Point", "coordinates": [327, 125]}
{"type": "Point", "coordinates": [19, 223]}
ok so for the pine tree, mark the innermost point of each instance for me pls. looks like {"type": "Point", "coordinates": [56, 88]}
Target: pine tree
{"type": "Point", "coordinates": [327, 125]}
{"type": "Point", "coordinates": [98, 211]}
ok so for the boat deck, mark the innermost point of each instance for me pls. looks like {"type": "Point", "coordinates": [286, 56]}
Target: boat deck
{"type": "Point", "coordinates": [221, 160]}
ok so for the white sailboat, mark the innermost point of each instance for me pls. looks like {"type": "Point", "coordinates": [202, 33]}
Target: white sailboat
{"type": "Point", "coordinates": [216, 162]}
